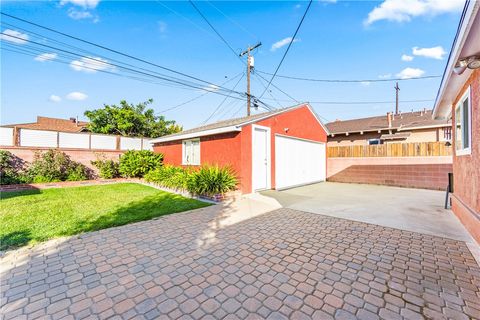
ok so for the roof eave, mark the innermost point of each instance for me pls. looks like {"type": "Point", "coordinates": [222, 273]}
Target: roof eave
{"type": "Point", "coordinates": [300, 105]}
{"type": "Point", "coordinates": [440, 125]}
{"type": "Point", "coordinates": [197, 134]}
{"type": "Point", "coordinates": [441, 107]}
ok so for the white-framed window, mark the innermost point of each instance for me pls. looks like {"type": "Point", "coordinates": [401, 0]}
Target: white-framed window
{"type": "Point", "coordinates": [191, 152]}
{"type": "Point", "coordinates": [463, 124]}
{"type": "Point", "coordinates": [372, 142]}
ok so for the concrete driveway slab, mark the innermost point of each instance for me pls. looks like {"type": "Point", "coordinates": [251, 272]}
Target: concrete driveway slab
{"type": "Point", "coordinates": [415, 210]}
{"type": "Point", "coordinates": [210, 263]}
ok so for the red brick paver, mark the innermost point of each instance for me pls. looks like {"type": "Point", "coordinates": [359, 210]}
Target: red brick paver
{"type": "Point", "coordinates": [279, 265]}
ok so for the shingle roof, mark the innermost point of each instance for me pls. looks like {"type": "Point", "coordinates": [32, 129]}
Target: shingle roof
{"type": "Point", "coordinates": [231, 125]}
{"type": "Point", "coordinates": [226, 123]}
{"type": "Point", "coordinates": [54, 124]}
{"type": "Point", "coordinates": [403, 121]}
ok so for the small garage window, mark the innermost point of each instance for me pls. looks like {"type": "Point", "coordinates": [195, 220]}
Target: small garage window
{"type": "Point", "coordinates": [191, 152]}
{"type": "Point", "coordinates": [463, 125]}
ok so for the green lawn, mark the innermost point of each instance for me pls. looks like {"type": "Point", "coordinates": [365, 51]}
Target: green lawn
{"type": "Point", "coordinates": [38, 215]}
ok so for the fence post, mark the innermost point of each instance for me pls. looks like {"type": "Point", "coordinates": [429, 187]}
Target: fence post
{"type": "Point", "coordinates": [15, 137]}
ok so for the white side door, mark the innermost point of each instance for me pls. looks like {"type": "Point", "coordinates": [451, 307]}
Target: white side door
{"type": "Point", "coordinates": [260, 158]}
{"type": "Point", "coordinates": [298, 162]}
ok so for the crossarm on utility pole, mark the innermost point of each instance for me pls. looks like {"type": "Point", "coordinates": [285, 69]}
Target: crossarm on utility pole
{"type": "Point", "coordinates": [249, 68]}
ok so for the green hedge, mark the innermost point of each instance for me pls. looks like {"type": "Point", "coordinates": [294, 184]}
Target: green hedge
{"type": "Point", "coordinates": [49, 166]}
{"type": "Point", "coordinates": [135, 164]}
{"type": "Point", "coordinates": [208, 180]}
{"type": "Point", "coordinates": [107, 169]}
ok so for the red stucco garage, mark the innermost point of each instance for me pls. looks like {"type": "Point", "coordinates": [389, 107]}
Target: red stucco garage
{"type": "Point", "coordinates": [272, 150]}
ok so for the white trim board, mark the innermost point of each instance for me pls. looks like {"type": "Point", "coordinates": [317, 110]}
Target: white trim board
{"type": "Point", "coordinates": [269, 156]}
{"type": "Point", "coordinates": [196, 134]}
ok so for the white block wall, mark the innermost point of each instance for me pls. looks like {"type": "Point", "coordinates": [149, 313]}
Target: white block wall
{"type": "Point", "coordinates": [38, 138]}
{"type": "Point", "coordinates": [6, 136]}
{"type": "Point", "coordinates": [147, 145]}
{"type": "Point", "coordinates": [104, 142]}
{"type": "Point", "coordinates": [127, 143]}
{"type": "Point", "coordinates": [74, 140]}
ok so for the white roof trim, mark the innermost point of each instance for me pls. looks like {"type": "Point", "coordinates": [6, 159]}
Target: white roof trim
{"type": "Point", "coordinates": [440, 125]}
{"type": "Point", "coordinates": [466, 22]}
{"type": "Point", "coordinates": [196, 134]}
{"type": "Point", "coordinates": [237, 127]}
{"type": "Point", "coordinates": [301, 105]}
{"type": "Point", "coordinates": [396, 128]}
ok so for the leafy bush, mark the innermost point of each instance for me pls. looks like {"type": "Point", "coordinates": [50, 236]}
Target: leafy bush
{"type": "Point", "coordinates": [208, 180]}
{"type": "Point", "coordinates": [77, 172]}
{"type": "Point", "coordinates": [55, 165]}
{"type": "Point", "coordinates": [212, 180]}
{"type": "Point", "coordinates": [108, 169]}
{"type": "Point", "coordinates": [11, 168]}
{"type": "Point", "coordinates": [169, 177]}
{"type": "Point", "coordinates": [138, 163]}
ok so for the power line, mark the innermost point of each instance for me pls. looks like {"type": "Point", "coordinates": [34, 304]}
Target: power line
{"type": "Point", "coordinates": [363, 102]}
{"type": "Point", "coordinates": [233, 21]}
{"type": "Point", "coordinates": [213, 28]}
{"type": "Point", "coordinates": [42, 37]}
{"type": "Point", "coordinates": [183, 17]}
{"type": "Point", "coordinates": [276, 87]}
{"type": "Point", "coordinates": [195, 98]}
{"type": "Point", "coordinates": [214, 89]}
{"type": "Point", "coordinates": [106, 48]}
{"type": "Point", "coordinates": [288, 48]}
{"type": "Point", "coordinates": [233, 50]}
{"type": "Point", "coordinates": [223, 101]}
{"type": "Point", "coordinates": [348, 81]}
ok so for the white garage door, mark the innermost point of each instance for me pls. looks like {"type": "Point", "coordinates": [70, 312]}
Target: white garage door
{"type": "Point", "coordinates": [298, 162]}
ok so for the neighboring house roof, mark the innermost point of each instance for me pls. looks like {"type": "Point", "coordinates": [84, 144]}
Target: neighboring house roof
{"type": "Point", "coordinates": [400, 122]}
{"type": "Point", "coordinates": [231, 125]}
{"type": "Point", "coordinates": [53, 124]}
{"type": "Point", "coordinates": [466, 44]}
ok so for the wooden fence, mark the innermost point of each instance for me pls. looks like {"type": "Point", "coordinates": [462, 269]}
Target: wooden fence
{"type": "Point", "coordinates": [411, 149]}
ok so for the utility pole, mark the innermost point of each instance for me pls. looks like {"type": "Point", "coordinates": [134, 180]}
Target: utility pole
{"type": "Point", "coordinates": [250, 66]}
{"type": "Point", "coordinates": [397, 88]}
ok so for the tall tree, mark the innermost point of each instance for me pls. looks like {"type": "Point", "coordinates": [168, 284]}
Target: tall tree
{"type": "Point", "coordinates": [130, 120]}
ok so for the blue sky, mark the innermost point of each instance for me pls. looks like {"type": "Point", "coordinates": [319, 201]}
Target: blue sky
{"type": "Point", "coordinates": [338, 40]}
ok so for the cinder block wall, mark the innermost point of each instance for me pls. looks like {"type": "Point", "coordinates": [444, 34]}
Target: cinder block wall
{"type": "Point", "coordinates": [410, 172]}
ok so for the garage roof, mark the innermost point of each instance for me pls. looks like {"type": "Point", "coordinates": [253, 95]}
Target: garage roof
{"type": "Point", "coordinates": [230, 125]}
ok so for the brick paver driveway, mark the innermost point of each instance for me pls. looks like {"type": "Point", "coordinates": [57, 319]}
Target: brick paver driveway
{"type": "Point", "coordinates": [282, 264]}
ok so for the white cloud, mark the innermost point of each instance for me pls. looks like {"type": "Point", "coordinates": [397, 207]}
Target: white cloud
{"type": "Point", "coordinates": [365, 83]}
{"type": "Point", "coordinates": [45, 57]}
{"type": "Point", "coordinates": [408, 73]}
{"type": "Point", "coordinates": [385, 76]}
{"type": "Point", "coordinates": [405, 10]}
{"type": "Point", "coordinates": [77, 96]}
{"type": "Point", "coordinates": [406, 57]}
{"type": "Point", "coordinates": [435, 52]}
{"type": "Point", "coordinates": [282, 43]}
{"type": "Point", "coordinates": [79, 15]}
{"type": "Point", "coordinates": [81, 3]}
{"type": "Point", "coordinates": [14, 36]}
{"type": "Point", "coordinates": [55, 98]}
{"type": "Point", "coordinates": [162, 26]}
{"type": "Point", "coordinates": [91, 65]}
